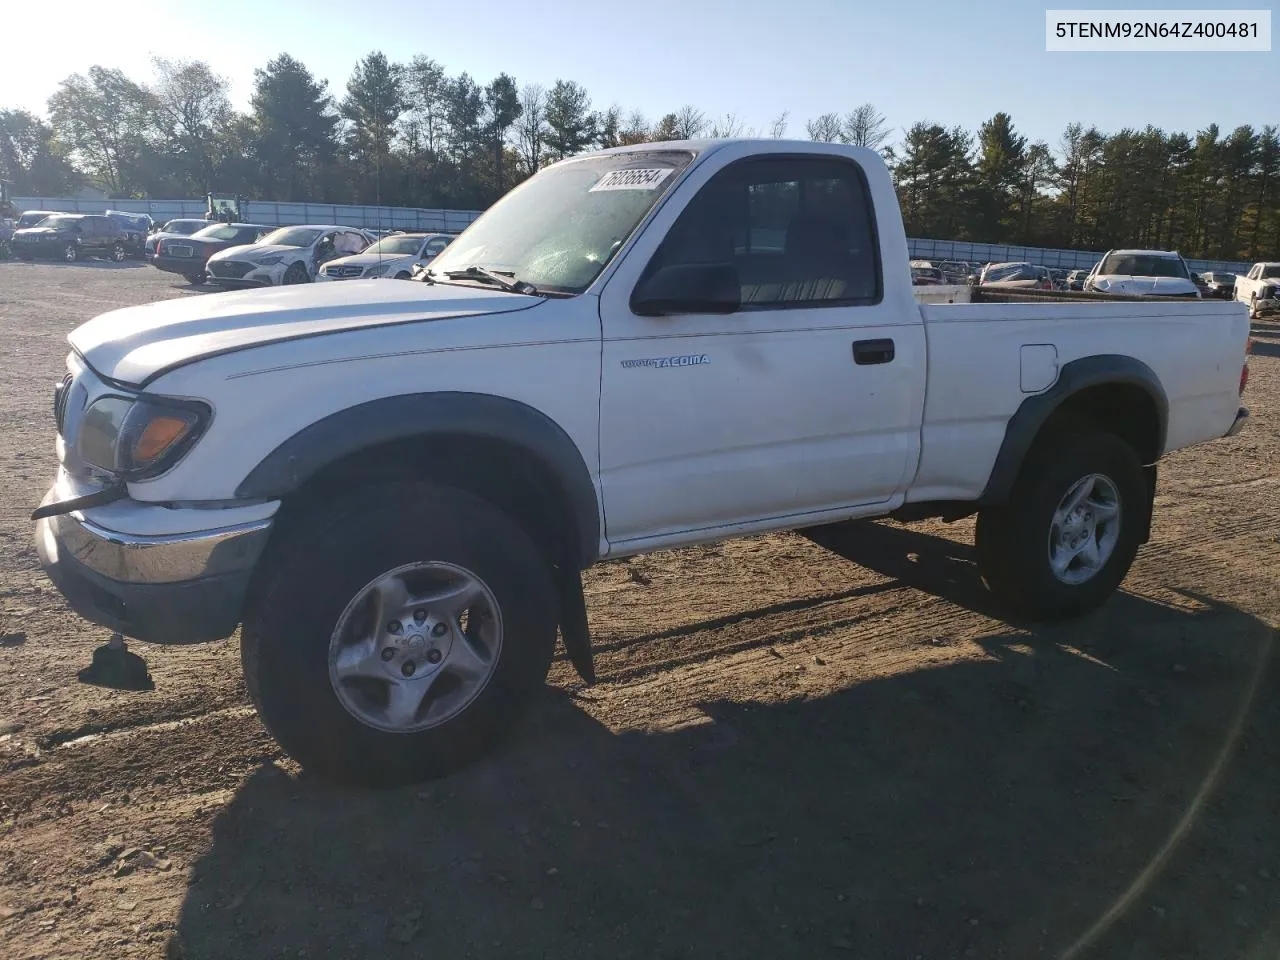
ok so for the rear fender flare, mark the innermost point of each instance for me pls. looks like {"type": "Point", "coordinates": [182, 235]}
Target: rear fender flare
{"type": "Point", "coordinates": [1032, 414]}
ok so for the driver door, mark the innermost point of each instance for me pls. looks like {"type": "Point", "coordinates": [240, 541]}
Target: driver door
{"type": "Point", "coordinates": [802, 404]}
{"type": "Point", "coordinates": [323, 252]}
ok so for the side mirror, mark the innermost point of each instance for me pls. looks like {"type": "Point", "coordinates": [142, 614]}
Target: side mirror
{"type": "Point", "coordinates": [689, 288]}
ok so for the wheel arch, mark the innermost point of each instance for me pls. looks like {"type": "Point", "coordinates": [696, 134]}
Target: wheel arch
{"type": "Point", "coordinates": [487, 438]}
{"type": "Point", "coordinates": [1117, 392]}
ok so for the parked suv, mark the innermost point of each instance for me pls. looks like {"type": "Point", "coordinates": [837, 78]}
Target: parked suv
{"type": "Point", "coordinates": [136, 226]}
{"type": "Point", "coordinates": [72, 236]}
{"type": "Point", "coordinates": [31, 218]}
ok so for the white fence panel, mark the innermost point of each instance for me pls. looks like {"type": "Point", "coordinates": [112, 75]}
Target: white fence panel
{"type": "Point", "coordinates": [272, 212]}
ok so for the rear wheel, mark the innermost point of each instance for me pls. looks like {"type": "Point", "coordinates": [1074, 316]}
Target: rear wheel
{"type": "Point", "coordinates": [396, 634]}
{"type": "Point", "coordinates": [118, 252]}
{"type": "Point", "coordinates": [297, 273]}
{"type": "Point", "coordinates": [71, 253]}
{"type": "Point", "coordinates": [1071, 529]}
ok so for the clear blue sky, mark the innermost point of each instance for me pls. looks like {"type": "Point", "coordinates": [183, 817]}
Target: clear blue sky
{"type": "Point", "coordinates": [940, 60]}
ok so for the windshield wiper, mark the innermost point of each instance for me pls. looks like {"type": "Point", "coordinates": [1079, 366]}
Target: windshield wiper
{"type": "Point", "coordinates": [506, 282]}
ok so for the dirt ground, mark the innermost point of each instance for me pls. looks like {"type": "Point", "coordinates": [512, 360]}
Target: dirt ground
{"type": "Point", "coordinates": [797, 749]}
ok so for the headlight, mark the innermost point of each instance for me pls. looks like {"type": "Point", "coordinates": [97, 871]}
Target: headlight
{"type": "Point", "coordinates": [268, 261]}
{"type": "Point", "coordinates": [139, 438]}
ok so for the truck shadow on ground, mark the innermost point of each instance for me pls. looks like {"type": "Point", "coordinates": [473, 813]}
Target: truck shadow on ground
{"type": "Point", "coordinates": [1266, 338]}
{"type": "Point", "coordinates": [993, 807]}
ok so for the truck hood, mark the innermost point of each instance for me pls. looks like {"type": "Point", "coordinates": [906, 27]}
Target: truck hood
{"type": "Point", "coordinates": [1144, 286]}
{"type": "Point", "coordinates": [137, 344]}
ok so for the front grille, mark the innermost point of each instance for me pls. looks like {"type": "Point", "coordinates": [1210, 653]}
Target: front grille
{"type": "Point", "coordinates": [344, 270]}
{"type": "Point", "coordinates": [232, 269]}
{"type": "Point", "coordinates": [60, 394]}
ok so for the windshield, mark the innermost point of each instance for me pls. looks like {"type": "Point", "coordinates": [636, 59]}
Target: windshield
{"type": "Point", "coordinates": [31, 219]}
{"type": "Point", "coordinates": [558, 229]}
{"type": "Point", "coordinates": [392, 246]}
{"type": "Point", "coordinates": [58, 221]}
{"type": "Point", "coordinates": [1142, 265]}
{"type": "Point", "coordinates": [1002, 273]}
{"type": "Point", "coordinates": [1271, 272]}
{"type": "Point", "coordinates": [184, 227]}
{"type": "Point", "coordinates": [292, 237]}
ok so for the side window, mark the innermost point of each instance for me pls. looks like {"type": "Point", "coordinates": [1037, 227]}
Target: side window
{"type": "Point", "coordinates": [800, 232]}
{"type": "Point", "coordinates": [349, 243]}
{"type": "Point", "coordinates": [435, 246]}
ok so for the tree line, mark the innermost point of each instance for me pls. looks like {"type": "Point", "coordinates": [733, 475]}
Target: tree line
{"type": "Point", "coordinates": [410, 134]}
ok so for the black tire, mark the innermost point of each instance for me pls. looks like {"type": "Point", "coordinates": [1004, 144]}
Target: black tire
{"type": "Point", "coordinates": [118, 253]}
{"type": "Point", "coordinates": [323, 561]}
{"type": "Point", "coordinates": [1012, 542]}
{"type": "Point", "coordinates": [70, 253]}
{"type": "Point", "coordinates": [1253, 306]}
{"type": "Point", "coordinates": [195, 279]}
{"type": "Point", "coordinates": [297, 273]}
{"type": "Point", "coordinates": [402, 275]}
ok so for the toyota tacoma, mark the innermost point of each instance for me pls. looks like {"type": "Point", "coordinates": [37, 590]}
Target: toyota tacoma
{"type": "Point", "coordinates": [393, 488]}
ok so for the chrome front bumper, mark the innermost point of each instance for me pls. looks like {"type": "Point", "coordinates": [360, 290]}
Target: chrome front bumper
{"type": "Point", "coordinates": [174, 588]}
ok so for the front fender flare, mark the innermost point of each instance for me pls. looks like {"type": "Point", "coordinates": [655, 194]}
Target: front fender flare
{"type": "Point", "coordinates": [405, 417]}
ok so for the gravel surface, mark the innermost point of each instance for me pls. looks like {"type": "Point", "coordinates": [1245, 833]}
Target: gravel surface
{"type": "Point", "coordinates": [797, 749]}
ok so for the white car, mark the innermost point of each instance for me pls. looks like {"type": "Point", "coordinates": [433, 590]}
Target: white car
{"type": "Point", "coordinates": [1016, 276]}
{"type": "Point", "coordinates": [1142, 273]}
{"type": "Point", "coordinates": [394, 256]}
{"type": "Point", "coordinates": [286, 256]}
{"type": "Point", "coordinates": [1260, 289]}
{"type": "Point", "coordinates": [396, 486]}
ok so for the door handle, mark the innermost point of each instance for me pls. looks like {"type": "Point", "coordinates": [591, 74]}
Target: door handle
{"type": "Point", "coordinates": [872, 351]}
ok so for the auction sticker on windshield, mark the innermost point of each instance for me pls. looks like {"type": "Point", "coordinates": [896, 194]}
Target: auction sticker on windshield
{"type": "Point", "coordinates": [632, 179]}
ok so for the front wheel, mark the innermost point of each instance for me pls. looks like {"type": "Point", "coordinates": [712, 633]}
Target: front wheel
{"type": "Point", "coordinates": [1253, 306]}
{"type": "Point", "coordinates": [402, 275]}
{"type": "Point", "coordinates": [297, 273]}
{"type": "Point", "coordinates": [118, 253]}
{"type": "Point", "coordinates": [395, 634]}
{"type": "Point", "coordinates": [1071, 529]}
{"type": "Point", "coordinates": [71, 253]}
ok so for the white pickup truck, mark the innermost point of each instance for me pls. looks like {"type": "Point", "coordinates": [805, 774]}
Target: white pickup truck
{"type": "Point", "coordinates": [394, 487]}
{"type": "Point", "coordinates": [1260, 289]}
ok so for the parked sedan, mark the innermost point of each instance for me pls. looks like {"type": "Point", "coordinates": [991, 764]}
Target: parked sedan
{"type": "Point", "coordinates": [71, 237]}
{"type": "Point", "coordinates": [287, 255]}
{"type": "Point", "coordinates": [392, 256]}
{"type": "Point", "coordinates": [1016, 275]}
{"type": "Point", "coordinates": [173, 228]}
{"type": "Point", "coordinates": [187, 256]}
